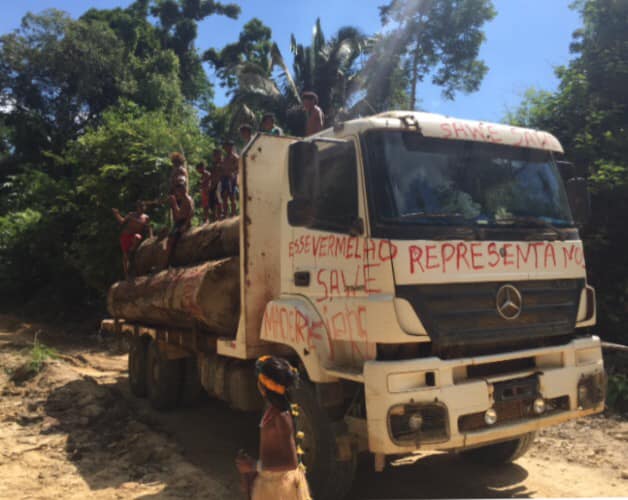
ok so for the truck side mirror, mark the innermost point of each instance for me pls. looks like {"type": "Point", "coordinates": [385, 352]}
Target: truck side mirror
{"type": "Point", "coordinates": [579, 199]}
{"type": "Point", "coordinates": [302, 169]}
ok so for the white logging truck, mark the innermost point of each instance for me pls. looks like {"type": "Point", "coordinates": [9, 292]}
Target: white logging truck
{"type": "Point", "coordinates": [424, 273]}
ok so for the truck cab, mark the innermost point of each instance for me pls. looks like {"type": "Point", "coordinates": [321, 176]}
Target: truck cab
{"type": "Point", "coordinates": [432, 266]}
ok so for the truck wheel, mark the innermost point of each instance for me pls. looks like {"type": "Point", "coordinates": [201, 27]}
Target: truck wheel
{"type": "Point", "coordinates": [163, 379]}
{"type": "Point", "coordinates": [328, 478]}
{"type": "Point", "coordinates": [191, 388]}
{"type": "Point", "coordinates": [137, 365]}
{"type": "Point", "coordinates": [501, 453]}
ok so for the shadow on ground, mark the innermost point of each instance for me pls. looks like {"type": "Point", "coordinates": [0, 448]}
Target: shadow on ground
{"type": "Point", "coordinates": [104, 422]}
{"type": "Point", "coordinates": [440, 476]}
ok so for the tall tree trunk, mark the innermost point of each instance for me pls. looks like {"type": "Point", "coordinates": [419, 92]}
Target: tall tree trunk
{"type": "Point", "coordinates": [415, 75]}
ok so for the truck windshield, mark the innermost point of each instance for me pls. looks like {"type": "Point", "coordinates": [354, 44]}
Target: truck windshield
{"type": "Point", "coordinates": [417, 180]}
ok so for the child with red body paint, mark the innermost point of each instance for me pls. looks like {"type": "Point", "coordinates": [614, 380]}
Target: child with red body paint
{"type": "Point", "coordinates": [134, 226]}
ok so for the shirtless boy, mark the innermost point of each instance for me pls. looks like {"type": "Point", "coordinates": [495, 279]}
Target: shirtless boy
{"type": "Point", "coordinates": [229, 176]}
{"type": "Point", "coordinates": [134, 226]}
{"type": "Point", "coordinates": [205, 185]}
{"type": "Point", "coordinates": [182, 207]}
{"type": "Point", "coordinates": [215, 203]}
{"type": "Point", "coordinates": [314, 115]}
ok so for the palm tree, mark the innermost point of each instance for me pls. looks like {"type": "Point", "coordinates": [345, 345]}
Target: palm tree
{"type": "Point", "coordinates": [329, 68]}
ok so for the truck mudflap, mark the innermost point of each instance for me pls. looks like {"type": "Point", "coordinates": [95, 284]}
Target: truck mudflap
{"type": "Point", "coordinates": [450, 405]}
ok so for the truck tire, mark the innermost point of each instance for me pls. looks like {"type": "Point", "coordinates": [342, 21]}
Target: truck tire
{"type": "Point", "coordinates": [501, 453]}
{"type": "Point", "coordinates": [328, 478]}
{"type": "Point", "coordinates": [191, 388]}
{"type": "Point", "coordinates": [163, 379]}
{"type": "Point", "coordinates": [137, 365]}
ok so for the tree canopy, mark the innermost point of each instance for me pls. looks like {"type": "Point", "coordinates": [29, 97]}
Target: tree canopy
{"type": "Point", "coordinates": [589, 115]}
{"type": "Point", "coordinates": [437, 38]}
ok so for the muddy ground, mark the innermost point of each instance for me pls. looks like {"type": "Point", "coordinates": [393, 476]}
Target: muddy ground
{"type": "Point", "coordinates": [73, 430]}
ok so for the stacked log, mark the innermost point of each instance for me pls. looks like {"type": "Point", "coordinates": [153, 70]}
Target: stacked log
{"type": "Point", "coordinates": [203, 286]}
{"type": "Point", "coordinates": [200, 244]}
{"type": "Point", "coordinates": [178, 297]}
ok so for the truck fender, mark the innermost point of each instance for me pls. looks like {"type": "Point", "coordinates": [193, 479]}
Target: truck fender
{"type": "Point", "coordinates": [293, 321]}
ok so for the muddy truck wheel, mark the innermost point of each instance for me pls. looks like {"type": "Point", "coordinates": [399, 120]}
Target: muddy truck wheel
{"type": "Point", "coordinates": [137, 365]}
{"type": "Point", "coordinates": [163, 379]}
{"type": "Point", "coordinates": [501, 453]}
{"type": "Point", "coordinates": [328, 477]}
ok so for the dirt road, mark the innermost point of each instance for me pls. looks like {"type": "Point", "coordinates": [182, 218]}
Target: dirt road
{"type": "Point", "coordinates": [74, 431]}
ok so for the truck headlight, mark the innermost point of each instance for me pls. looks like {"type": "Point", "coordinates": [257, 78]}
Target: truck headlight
{"type": "Point", "coordinates": [415, 421]}
{"type": "Point", "coordinates": [490, 416]}
{"type": "Point", "coordinates": [418, 423]}
{"type": "Point", "coordinates": [539, 406]}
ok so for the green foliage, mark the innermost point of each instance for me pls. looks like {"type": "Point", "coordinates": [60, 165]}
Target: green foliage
{"type": "Point", "coordinates": [89, 112]}
{"type": "Point", "coordinates": [178, 26]}
{"type": "Point", "coordinates": [254, 46]}
{"type": "Point", "coordinates": [39, 354]}
{"type": "Point", "coordinates": [124, 160]}
{"type": "Point", "coordinates": [617, 392]}
{"type": "Point", "coordinates": [15, 229]}
{"type": "Point", "coordinates": [387, 78]}
{"type": "Point", "coordinates": [437, 38]}
{"type": "Point", "coordinates": [55, 76]}
{"type": "Point", "coordinates": [330, 67]}
{"type": "Point", "coordinates": [266, 84]}
{"type": "Point", "coordinates": [589, 115]}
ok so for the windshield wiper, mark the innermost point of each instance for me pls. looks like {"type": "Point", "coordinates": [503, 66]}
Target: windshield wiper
{"type": "Point", "coordinates": [536, 221]}
{"type": "Point", "coordinates": [423, 215]}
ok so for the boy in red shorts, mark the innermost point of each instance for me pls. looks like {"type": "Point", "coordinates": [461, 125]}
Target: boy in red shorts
{"type": "Point", "coordinates": [205, 185]}
{"type": "Point", "coordinates": [134, 227]}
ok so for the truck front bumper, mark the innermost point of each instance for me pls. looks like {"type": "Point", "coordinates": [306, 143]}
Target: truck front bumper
{"type": "Point", "coordinates": [439, 404]}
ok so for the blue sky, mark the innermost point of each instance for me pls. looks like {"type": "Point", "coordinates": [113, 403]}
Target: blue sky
{"type": "Point", "coordinates": [524, 42]}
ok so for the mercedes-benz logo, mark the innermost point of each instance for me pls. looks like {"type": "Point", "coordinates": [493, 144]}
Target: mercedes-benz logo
{"type": "Point", "coordinates": [509, 302]}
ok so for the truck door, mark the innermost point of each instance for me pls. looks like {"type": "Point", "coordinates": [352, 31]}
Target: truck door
{"type": "Point", "coordinates": [329, 256]}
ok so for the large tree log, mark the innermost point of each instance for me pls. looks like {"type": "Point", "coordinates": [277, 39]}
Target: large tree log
{"type": "Point", "coordinates": [200, 244]}
{"type": "Point", "coordinates": [209, 293]}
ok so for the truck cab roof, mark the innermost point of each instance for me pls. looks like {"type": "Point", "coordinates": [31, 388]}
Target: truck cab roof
{"type": "Point", "coordinates": [447, 127]}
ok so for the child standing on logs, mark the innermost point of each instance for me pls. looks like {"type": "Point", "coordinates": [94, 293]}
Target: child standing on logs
{"type": "Point", "coordinates": [134, 227]}
{"type": "Point", "coordinates": [205, 185]}
{"type": "Point", "coordinates": [229, 177]}
{"type": "Point", "coordinates": [182, 207]}
{"type": "Point", "coordinates": [279, 473]}
{"type": "Point", "coordinates": [214, 199]}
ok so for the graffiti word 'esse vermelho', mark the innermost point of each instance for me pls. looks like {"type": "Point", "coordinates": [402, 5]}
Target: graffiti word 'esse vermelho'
{"type": "Point", "coordinates": [343, 246]}
{"type": "Point", "coordinates": [475, 256]}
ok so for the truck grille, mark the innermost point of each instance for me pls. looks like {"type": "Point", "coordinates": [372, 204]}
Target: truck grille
{"type": "Point", "coordinates": [462, 318]}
